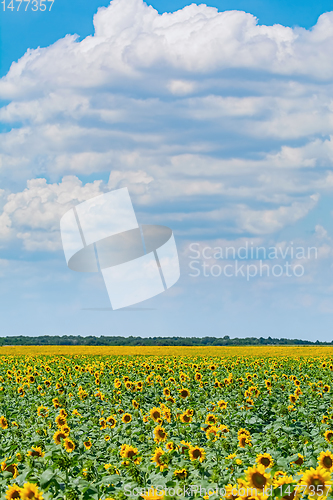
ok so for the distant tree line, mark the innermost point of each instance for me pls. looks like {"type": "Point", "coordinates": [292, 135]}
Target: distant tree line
{"type": "Point", "coordinates": [151, 341]}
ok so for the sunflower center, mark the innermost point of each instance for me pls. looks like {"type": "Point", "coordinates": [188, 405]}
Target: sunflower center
{"type": "Point", "coordinates": [259, 481]}
{"type": "Point", "coordinates": [327, 462]}
{"type": "Point", "coordinates": [316, 481]}
{"type": "Point", "coordinates": [265, 461]}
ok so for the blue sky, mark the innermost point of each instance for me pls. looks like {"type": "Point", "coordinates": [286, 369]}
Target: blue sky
{"type": "Point", "coordinates": [219, 124]}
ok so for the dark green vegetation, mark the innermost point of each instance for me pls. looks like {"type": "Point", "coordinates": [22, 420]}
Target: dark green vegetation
{"type": "Point", "coordinates": [151, 341]}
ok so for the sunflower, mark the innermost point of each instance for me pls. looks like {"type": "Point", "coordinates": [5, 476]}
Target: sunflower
{"type": "Point", "coordinates": [278, 475]}
{"type": "Point", "coordinates": [328, 436]}
{"type": "Point", "coordinates": [257, 477]}
{"type": "Point", "coordinates": [87, 444]}
{"type": "Point", "coordinates": [12, 468]}
{"type": "Point", "coordinates": [223, 429]}
{"type": "Point", "coordinates": [42, 411]}
{"type": "Point", "coordinates": [126, 418]}
{"type": "Point", "coordinates": [243, 440]}
{"type": "Point", "coordinates": [170, 446]}
{"type": "Point", "coordinates": [317, 482]}
{"type": "Point", "coordinates": [65, 429]}
{"type": "Point", "coordinates": [167, 414]}
{"type": "Point", "coordinates": [185, 418]}
{"type": "Point", "coordinates": [212, 433]}
{"type": "Point", "coordinates": [129, 451]}
{"type": "Point", "coordinates": [159, 434]}
{"type": "Point", "coordinates": [265, 459]}
{"type": "Point", "coordinates": [300, 460]}
{"type": "Point", "coordinates": [158, 459]}
{"type": "Point", "coordinates": [68, 445]}
{"type": "Point", "coordinates": [197, 453]}
{"type": "Point", "coordinates": [325, 460]}
{"type": "Point", "coordinates": [3, 422]}
{"type": "Point", "coordinates": [102, 423]}
{"type": "Point", "coordinates": [36, 452]}
{"type": "Point", "coordinates": [254, 390]}
{"type": "Point", "coordinates": [180, 474]}
{"type": "Point", "coordinates": [243, 432]}
{"type": "Point", "coordinates": [61, 421]}
{"type": "Point", "coordinates": [166, 392]}
{"type": "Point", "coordinates": [293, 398]}
{"type": "Point", "coordinates": [13, 492]}
{"type": "Point", "coordinates": [30, 492]}
{"type": "Point", "coordinates": [222, 405]}
{"type": "Point", "coordinates": [211, 419]}
{"type": "Point", "coordinates": [184, 393]}
{"type": "Point", "coordinates": [58, 436]}
{"type": "Point", "coordinates": [117, 383]}
{"type": "Point", "coordinates": [155, 414]}
{"type": "Point", "coordinates": [111, 421]}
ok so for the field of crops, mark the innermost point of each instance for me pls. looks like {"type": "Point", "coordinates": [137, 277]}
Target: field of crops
{"type": "Point", "coordinates": [115, 423]}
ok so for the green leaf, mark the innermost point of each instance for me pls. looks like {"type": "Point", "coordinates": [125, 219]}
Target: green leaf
{"type": "Point", "coordinates": [46, 478]}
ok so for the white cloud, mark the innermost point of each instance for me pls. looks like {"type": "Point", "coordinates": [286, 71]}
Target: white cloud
{"type": "Point", "coordinates": [33, 215]}
{"type": "Point", "coordinates": [239, 218]}
{"type": "Point", "coordinates": [206, 116]}
{"type": "Point", "coordinates": [131, 37]}
{"type": "Point", "coordinates": [180, 87]}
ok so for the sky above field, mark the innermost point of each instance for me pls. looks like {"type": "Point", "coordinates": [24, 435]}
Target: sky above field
{"type": "Point", "coordinates": [218, 119]}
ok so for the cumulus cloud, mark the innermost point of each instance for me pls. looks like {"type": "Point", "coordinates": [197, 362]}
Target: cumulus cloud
{"type": "Point", "coordinates": [210, 119]}
{"type": "Point", "coordinates": [131, 38]}
{"type": "Point", "coordinates": [33, 214]}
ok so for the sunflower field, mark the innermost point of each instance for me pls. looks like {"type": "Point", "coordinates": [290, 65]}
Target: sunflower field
{"type": "Point", "coordinates": [115, 424]}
